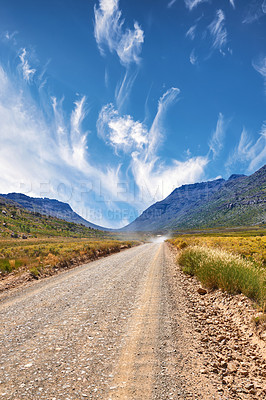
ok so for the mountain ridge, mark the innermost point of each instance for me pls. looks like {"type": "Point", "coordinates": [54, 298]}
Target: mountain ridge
{"type": "Point", "coordinates": [50, 207]}
{"type": "Point", "coordinates": [240, 200]}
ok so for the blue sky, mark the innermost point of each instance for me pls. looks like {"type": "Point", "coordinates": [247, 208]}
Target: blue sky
{"type": "Point", "coordinates": [109, 105]}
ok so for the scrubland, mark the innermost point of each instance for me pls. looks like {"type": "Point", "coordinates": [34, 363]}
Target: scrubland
{"type": "Point", "coordinates": [235, 263]}
{"type": "Point", "coordinates": [40, 245]}
{"type": "Point", "coordinates": [42, 257]}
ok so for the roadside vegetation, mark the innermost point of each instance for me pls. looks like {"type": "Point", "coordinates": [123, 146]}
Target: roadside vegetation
{"type": "Point", "coordinates": [44, 257]}
{"type": "Point", "coordinates": [39, 245]}
{"type": "Point", "coordinates": [236, 264]}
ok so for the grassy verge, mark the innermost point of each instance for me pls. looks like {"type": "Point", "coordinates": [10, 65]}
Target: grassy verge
{"type": "Point", "coordinates": [217, 268]}
{"type": "Point", "coordinates": [42, 258]}
{"type": "Point", "coordinates": [251, 248]}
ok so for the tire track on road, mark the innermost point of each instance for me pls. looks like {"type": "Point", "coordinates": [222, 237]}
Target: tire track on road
{"type": "Point", "coordinates": [134, 374]}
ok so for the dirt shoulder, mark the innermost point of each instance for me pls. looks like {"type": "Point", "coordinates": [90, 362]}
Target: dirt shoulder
{"type": "Point", "coordinates": [232, 351]}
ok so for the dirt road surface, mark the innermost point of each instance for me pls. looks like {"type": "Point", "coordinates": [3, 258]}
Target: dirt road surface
{"type": "Point", "coordinates": [112, 329]}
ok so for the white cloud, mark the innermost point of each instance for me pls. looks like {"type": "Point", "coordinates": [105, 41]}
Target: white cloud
{"type": "Point", "coordinates": [77, 137]}
{"type": "Point", "coordinates": [122, 132]}
{"type": "Point", "coordinates": [109, 31]}
{"type": "Point", "coordinates": [190, 4]}
{"type": "Point", "coordinates": [48, 149]}
{"type": "Point", "coordinates": [157, 180]}
{"type": "Point", "coordinates": [130, 45]}
{"type": "Point", "coordinates": [232, 2]}
{"type": "Point", "coordinates": [156, 133]}
{"type": "Point", "coordinates": [248, 152]}
{"type": "Point", "coordinates": [260, 67]}
{"type": "Point", "coordinates": [258, 150]}
{"type": "Point", "coordinates": [171, 3]}
{"type": "Point", "coordinates": [218, 31]}
{"type": "Point", "coordinates": [107, 27]}
{"type": "Point", "coordinates": [27, 70]}
{"type": "Point", "coordinates": [10, 36]}
{"type": "Point", "coordinates": [255, 10]}
{"type": "Point", "coordinates": [154, 178]}
{"type": "Point", "coordinates": [123, 89]}
{"type": "Point", "coordinates": [216, 143]}
{"type": "Point", "coordinates": [191, 32]}
{"type": "Point", "coordinates": [244, 145]}
{"type": "Point", "coordinates": [70, 138]}
{"type": "Point", "coordinates": [193, 58]}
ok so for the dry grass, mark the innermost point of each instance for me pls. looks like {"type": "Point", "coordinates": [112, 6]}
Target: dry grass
{"type": "Point", "coordinates": [251, 248]}
{"type": "Point", "coordinates": [41, 257]}
{"type": "Point", "coordinates": [236, 264]}
{"type": "Point", "coordinates": [217, 268]}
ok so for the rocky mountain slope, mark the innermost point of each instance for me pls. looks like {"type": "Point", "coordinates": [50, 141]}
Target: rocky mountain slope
{"type": "Point", "coordinates": [18, 222]}
{"type": "Point", "coordinates": [239, 201]}
{"type": "Point", "coordinates": [53, 208]}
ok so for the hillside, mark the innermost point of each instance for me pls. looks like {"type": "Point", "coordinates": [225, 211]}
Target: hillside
{"type": "Point", "coordinates": [239, 201]}
{"type": "Point", "coordinates": [51, 207]}
{"type": "Point", "coordinates": [16, 221]}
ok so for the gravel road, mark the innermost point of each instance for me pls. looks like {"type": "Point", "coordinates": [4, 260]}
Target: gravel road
{"type": "Point", "coordinates": [111, 329]}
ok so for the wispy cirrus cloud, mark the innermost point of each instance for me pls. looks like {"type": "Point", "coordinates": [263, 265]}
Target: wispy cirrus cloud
{"type": "Point", "coordinates": [154, 178]}
{"type": "Point", "coordinates": [260, 66]}
{"type": "Point", "coordinates": [130, 45]}
{"type": "Point", "coordinates": [9, 36]}
{"type": "Point", "coordinates": [44, 151]}
{"type": "Point", "coordinates": [254, 11]}
{"type": "Point", "coordinates": [27, 71]}
{"type": "Point", "coordinates": [232, 2]}
{"type": "Point", "coordinates": [190, 4]}
{"type": "Point", "coordinates": [218, 31]}
{"type": "Point", "coordinates": [156, 134]}
{"type": "Point", "coordinates": [109, 32]}
{"type": "Point", "coordinates": [193, 58]}
{"type": "Point", "coordinates": [124, 87]}
{"type": "Point", "coordinates": [26, 134]}
{"type": "Point", "coordinates": [251, 154]}
{"type": "Point", "coordinates": [216, 142]}
{"type": "Point", "coordinates": [191, 33]}
{"type": "Point", "coordinates": [171, 3]}
{"type": "Point", "coordinates": [70, 138]}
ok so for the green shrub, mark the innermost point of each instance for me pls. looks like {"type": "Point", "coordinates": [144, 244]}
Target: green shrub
{"type": "Point", "coordinates": [18, 263]}
{"type": "Point", "coordinates": [35, 272]}
{"type": "Point", "coordinates": [5, 266]}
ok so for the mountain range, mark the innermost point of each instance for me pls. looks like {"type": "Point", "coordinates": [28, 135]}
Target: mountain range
{"type": "Point", "coordinates": [238, 201]}
{"type": "Point", "coordinates": [51, 207]}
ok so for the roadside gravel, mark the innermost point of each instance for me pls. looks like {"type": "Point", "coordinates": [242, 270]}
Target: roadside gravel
{"type": "Point", "coordinates": [233, 350]}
